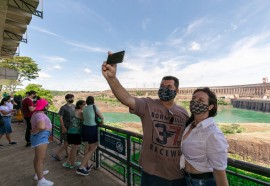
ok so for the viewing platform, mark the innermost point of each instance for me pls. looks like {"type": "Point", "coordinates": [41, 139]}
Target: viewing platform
{"type": "Point", "coordinates": [17, 166]}
{"type": "Point", "coordinates": [116, 158]}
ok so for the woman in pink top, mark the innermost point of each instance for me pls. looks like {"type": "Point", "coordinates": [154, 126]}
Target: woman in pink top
{"type": "Point", "coordinates": [41, 130]}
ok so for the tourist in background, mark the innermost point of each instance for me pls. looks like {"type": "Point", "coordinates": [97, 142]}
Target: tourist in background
{"type": "Point", "coordinates": [74, 134]}
{"type": "Point", "coordinates": [27, 109]}
{"type": "Point", "coordinates": [41, 130]}
{"type": "Point", "coordinates": [66, 113]}
{"type": "Point", "coordinates": [89, 135]}
{"type": "Point", "coordinates": [204, 147]}
{"type": "Point", "coordinates": [5, 94]}
{"type": "Point", "coordinates": [163, 123]}
{"type": "Point", "coordinates": [12, 103]}
{"type": "Point", "coordinates": [5, 127]}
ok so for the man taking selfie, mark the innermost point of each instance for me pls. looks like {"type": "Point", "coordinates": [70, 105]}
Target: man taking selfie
{"type": "Point", "coordinates": [163, 123]}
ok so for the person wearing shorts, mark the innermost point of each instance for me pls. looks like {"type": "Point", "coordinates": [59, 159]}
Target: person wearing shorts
{"type": "Point", "coordinates": [66, 112]}
{"type": "Point", "coordinates": [6, 112]}
{"type": "Point", "coordinates": [89, 135]}
{"type": "Point", "coordinates": [41, 130]}
{"type": "Point", "coordinates": [74, 134]}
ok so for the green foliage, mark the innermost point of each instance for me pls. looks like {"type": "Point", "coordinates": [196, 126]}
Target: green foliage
{"type": "Point", "coordinates": [41, 92]}
{"type": "Point", "coordinates": [59, 93]}
{"type": "Point", "coordinates": [27, 69]}
{"type": "Point", "coordinates": [184, 104]}
{"type": "Point", "coordinates": [231, 129]}
{"type": "Point", "coordinates": [222, 102]}
{"type": "Point", "coordinates": [139, 93]}
{"type": "Point", "coordinates": [235, 179]}
{"type": "Point", "coordinates": [106, 99]}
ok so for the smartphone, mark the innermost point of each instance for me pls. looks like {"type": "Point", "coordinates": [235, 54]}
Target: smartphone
{"type": "Point", "coordinates": [117, 57]}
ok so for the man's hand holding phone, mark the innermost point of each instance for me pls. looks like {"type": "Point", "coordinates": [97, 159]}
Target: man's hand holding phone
{"type": "Point", "coordinates": [109, 67]}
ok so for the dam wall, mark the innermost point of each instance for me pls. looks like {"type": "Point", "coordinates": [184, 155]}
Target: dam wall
{"type": "Point", "coordinates": [257, 105]}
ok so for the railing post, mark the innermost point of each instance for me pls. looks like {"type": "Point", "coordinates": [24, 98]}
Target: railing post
{"type": "Point", "coordinates": [129, 169]}
{"type": "Point", "coordinates": [53, 123]}
{"type": "Point", "coordinates": [97, 151]}
{"type": "Point", "coordinates": [97, 158]}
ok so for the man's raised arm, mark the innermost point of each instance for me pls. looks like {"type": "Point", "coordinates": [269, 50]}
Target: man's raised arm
{"type": "Point", "coordinates": [109, 72]}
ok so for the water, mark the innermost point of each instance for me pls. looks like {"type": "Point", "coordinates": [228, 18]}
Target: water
{"type": "Point", "coordinates": [234, 115]}
{"type": "Point", "coordinates": [225, 115]}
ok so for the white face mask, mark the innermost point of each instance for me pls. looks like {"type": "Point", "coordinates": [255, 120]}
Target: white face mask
{"type": "Point", "coordinates": [11, 99]}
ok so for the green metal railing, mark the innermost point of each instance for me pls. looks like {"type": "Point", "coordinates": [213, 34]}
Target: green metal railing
{"type": "Point", "coordinates": [125, 166]}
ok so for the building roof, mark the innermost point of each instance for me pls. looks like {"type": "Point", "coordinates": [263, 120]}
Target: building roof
{"type": "Point", "coordinates": [15, 15]}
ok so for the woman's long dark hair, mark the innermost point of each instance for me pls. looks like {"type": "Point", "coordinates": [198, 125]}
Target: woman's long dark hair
{"type": "Point", "coordinates": [90, 100]}
{"type": "Point", "coordinates": [212, 100]}
{"type": "Point", "coordinates": [79, 104]}
{"type": "Point", "coordinates": [5, 99]}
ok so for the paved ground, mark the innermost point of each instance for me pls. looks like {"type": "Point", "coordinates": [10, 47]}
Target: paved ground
{"type": "Point", "coordinates": [16, 167]}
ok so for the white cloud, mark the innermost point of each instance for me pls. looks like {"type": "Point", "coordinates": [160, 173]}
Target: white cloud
{"type": "Point", "coordinates": [54, 59]}
{"type": "Point", "coordinates": [194, 46]}
{"type": "Point", "coordinates": [194, 26]}
{"type": "Point", "coordinates": [245, 64]}
{"type": "Point", "coordinates": [43, 75]}
{"type": "Point", "coordinates": [87, 70]}
{"type": "Point", "coordinates": [57, 67]}
{"type": "Point", "coordinates": [45, 31]}
{"type": "Point", "coordinates": [87, 47]}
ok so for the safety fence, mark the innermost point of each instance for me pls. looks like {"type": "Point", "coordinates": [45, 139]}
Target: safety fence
{"type": "Point", "coordinates": [118, 153]}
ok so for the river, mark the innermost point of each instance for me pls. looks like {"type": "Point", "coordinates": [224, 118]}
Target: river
{"type": "Point", "coordinates": [225, 115]}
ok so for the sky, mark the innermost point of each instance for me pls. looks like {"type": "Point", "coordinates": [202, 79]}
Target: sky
{"type": "Point", "coordinates": [203, 43]}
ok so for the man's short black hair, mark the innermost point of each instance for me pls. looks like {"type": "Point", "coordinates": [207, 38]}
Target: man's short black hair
{"type": "Point", "coordinates": [31, 92]}
{"type": "Point", "coordinates": [176, 80]}
{"type": "Point", "coordinates": [69, 96]}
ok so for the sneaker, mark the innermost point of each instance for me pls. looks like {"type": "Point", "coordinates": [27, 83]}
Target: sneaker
{"type": "Point", "coordinates": [89, 168]}
{"type": "Point", "coordinates": [13, 143]}
{"type": "Point", "coordinates": [44, 183]}
{"type": "Point", "coordinates": [44, 173]}
{"type": "Point", "coordinates": [82, 172]}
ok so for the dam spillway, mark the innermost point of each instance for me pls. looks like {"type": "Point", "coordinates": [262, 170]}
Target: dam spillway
{"type": "Point", "coordinates": [256, 105]}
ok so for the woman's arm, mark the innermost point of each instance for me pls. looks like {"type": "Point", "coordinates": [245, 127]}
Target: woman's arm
{"type": "Point", "coordinates": [100, 115]}
{"type": "Point", "coordinates": [5, 112]}
{"type": "Point", "coordinates": [220, 177]}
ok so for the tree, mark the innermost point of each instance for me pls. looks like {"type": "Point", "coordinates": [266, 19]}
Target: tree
{"type": "Point", "coordinates": [41, 92]}
{"type": "Point", "coordinates": [27, 69]}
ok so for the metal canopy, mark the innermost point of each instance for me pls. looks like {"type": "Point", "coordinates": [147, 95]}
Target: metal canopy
{"type": "Point", "coordinates": [15, 15]}
{"type": "Point", "coordinates": [7, 76]}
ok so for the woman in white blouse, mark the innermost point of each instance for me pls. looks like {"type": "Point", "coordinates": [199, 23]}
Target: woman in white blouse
{"type": "Point", "coordinates": [204, 147]}
{"type": "Point", "coordinates": [5, 126]}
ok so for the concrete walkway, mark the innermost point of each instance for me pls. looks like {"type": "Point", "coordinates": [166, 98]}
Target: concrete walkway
{"type": "Point", "coordinates": [16, 166]}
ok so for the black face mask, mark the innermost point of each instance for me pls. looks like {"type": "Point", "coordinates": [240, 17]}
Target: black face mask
{"type": "Point", "coordinates": [70, 101]}
{"type": "Point", "coordinates": [197, 107]}
{"type": "Point", "coordinates": [166, 94]}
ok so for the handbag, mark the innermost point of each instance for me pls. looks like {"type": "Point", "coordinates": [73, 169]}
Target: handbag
{"type": "Point", "coordinates": [97, 118]}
